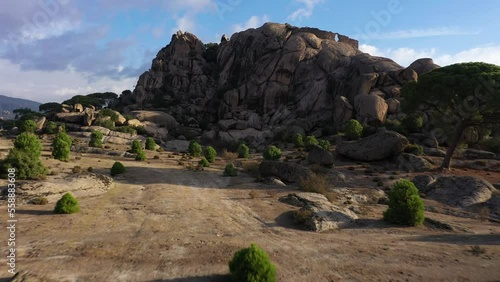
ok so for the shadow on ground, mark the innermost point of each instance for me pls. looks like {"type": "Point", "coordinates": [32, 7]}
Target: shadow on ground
{"type": "Point", "coordinates": [480, 239]}
{"type": "Point", "coordinates": [35, 212]}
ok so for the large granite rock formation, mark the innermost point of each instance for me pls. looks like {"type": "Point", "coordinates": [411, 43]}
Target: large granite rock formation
{"type": "Point", "coordinates": [275, 75]}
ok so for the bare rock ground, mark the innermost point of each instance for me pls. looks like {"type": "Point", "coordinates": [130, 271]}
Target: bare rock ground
{"type": "Point", "coordinates": [161, 222]}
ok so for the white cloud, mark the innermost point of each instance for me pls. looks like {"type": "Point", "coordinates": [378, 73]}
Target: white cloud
{"type": "Point", "coordinates": [185, 23]}
{"type": "Point", "coordinates": [305, 11]}
{"type": "Point", "coordinates": [55, 86]}
{"type": "Point", "coordinates": [252, 22]}
{"type": "Point", "coordinates": [405, 56]}
{"type": "Point", "coordinates": [415, 33]}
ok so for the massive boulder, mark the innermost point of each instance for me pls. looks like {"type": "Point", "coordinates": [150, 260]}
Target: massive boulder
{"type": "Point", "coordinates": [320, 156]}
{"type": "Point", "coordinates": [457, 191]}
{"type": "Point", "coordinates": [370, 109]}
{"type": "Point", "coordinates": [319, 214]}
{"type": "Point", "coordinates": [285, 171]}
{"type": "Point", "coordinates": [379, 146]}
{"type": "Point", "coordinates": [275, 75]}
{"type": "Point", "coordinates": [422, 66]}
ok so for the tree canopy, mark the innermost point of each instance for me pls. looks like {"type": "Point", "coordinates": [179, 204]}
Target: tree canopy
{"type": "Point", "coordinates": [462, 95]}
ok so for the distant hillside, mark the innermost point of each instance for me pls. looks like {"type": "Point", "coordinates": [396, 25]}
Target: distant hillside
{"type": "Point", "coordinates": [8, 104]}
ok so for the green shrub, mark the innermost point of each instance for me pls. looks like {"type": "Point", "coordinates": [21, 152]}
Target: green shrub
{"type": "Point", "coordinates": [128, 117]}
{"type": "Point", "coordinates": [210, 154]}
{"type": "Point", "coordinates": [230, 170]}
{"type": "Point", "coordinates": [61, 147]}
{"type": "Point", "coordinates": [310, 141]}
{"type": "Point", "coordinates": [405, 205]}
{"type": "Point", "coordinates": [51, 128]}
{"type": "Point", "coordinates": [109, 113]}
{"type": "Point", "coordinates": [413, 123]}
{"type": "Point", "coordinates": [491, 144]}
{"type": "Point", "coordinates": [25, 157]}
{"type": "Point", "coordinates": [67, 205]}
{"type": "Point", "coordinates": [118, 168]}
{"type": "Point", "coordinates": [136, 147]}
{"type": "Point", "coordinates": [272, 153]}
{"type": "Point", "coordinates": [414, 149]}
{"type": "Point", "coordinates": [325, 144]}
{"type": "Point", "coordinates": [141, 130]}
{"type": "Point", "coordinates": [126, 129]}
{"type": "Point", "coordinates": [243, 151]}
{"type": "Point", "coordinates": [353, 129]}
{"type": "Point", "coordinates": [96, 139]}
{"type": "Point", "coordinates": [194, 149]}
{"type": "Point", "coordinates": [252, 265]}
{"type": "Point", "coordinates": [204, 163]}
{"type": "Point", "coordinates": [150, 144]}
{"type": "Point", "coordinates": [298, 140]}
{"type": "Point", "coordinates": [28, 126]}
{"type": "Point", "coordinates": [395, 125]}
{"type": "Point", "coordinates": [141, 156]}
{"type": "Point", "coordinates": [107, 123]}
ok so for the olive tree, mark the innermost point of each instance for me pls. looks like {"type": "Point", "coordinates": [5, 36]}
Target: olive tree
{"type": "Point", "coordinates": [461, 95]}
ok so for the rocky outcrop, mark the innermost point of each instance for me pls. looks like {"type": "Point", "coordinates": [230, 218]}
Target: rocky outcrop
{"type": "Point", "coordinates": [412, 163]}
{"type": "Point", "coordinates": [379, 146]}
{"type": "Point", "coordinates": [477, 154]}
{"type": "Point", "coordinates": [286, 171]}
{"type": "Point", "coordinates": [80, 185]}
{"type": "Point", "coordinates": [457, 191]}
{"type": "Point", "coordinates": [318, 214]}
{"type": "Point", "coordinates": [320, 156]}
{"type": "Point", "coordinates": [262, 78]}
{"type": "Point", "coordinates": [40, 124]}
{"type": "Point", "coordinates": [422, 66]}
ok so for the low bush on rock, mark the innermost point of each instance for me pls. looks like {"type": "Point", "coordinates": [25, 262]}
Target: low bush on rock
{"type": "Point", "coordinates": [141, 156]}
{"type": "Point", "coordinates": [230, 170]}
{"type": "Point", "coordinates": [243, 151]}
{"type": "Point", "coordinates": [126, 129]}
{"type": "Point", "coordinates": [405, 205]}
{"type": "Point", "coordinates": [353, 130]}
{"type": "Point", "coordinates": [413, 123]}
{"type": "Point", "coordinates": [150, 144]}
{"type": "Point", "coordinates": [210, 154]}
{"type": "Point", "coordinates": [298, 140]}
{"type": "Point", "coordinates": [414, 149]}
{"type": "Point", "coordinates": [118, 168]}
{"type": "Point", "coordinates": [252, 265]}
{"type": "Point", "coordinates": [325, 144]}
{"type": "Point", "coordinates": [204, 163]}
{"type": "Point", "coordinates": [67, 205]}
{"type": "Point", "coordinates": [51, 128]}
{"type": "Point", "coordinates": [194, 149]}
{"type": "Point", "coordinates": [317, 183]}
{"type": "Point", "coordinates": [272, 153]}
{"type": "Point", "coordinates": [109, 113]}
{"type": "Point", "coordinates": [310, 141]}
{"type": "Point", "coordinates": [96, 139]}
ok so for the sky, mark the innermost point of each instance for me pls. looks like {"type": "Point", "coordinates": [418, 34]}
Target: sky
{"type": "Point", "coordinates": [51, 50]}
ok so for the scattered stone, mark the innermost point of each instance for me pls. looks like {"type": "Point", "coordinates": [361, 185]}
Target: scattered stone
{"type": "Point", "coordinates": [320, 156]}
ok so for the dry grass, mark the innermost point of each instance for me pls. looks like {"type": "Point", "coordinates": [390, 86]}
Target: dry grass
{"type": "Point", "coordinates": [318, 183]}
{"type": "Point", "coordinates": [229, 156]}
{"type": "Point", "coordinates": [251, 167]}
{"type": "Point", "coordinates": [253, 194]}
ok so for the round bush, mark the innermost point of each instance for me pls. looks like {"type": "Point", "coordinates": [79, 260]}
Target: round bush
{"type": "Point", "coordinates": [298, 140]}
{"type": "Point", "coordinates": [67, 205]}
{"type": "Point", "coordinates": [51, 128]}
{"type": "Point", "coordinates": [204, 163]}
{"type": "Point", "coordinates": [61, 147]}
{"type": "Point", "coordinates": [28, 126]}
{"type": "Point", "coordinates": [353, 129]}
{"type": "Point", "coordinates": [210, 154]}
{"type": "Point", "coordinates": [230, 170]}
{"type": "Point", "coordinates": [150, 144]}
{"type": "Point", "coordinates": [109, 113]}
{"type": "Point", "coordinates": [325, 144]}
{"type": "Point", "coordinates": [96, 139]}
{"type": "Point", "coordinates": [28, 142]}
{"type": "Point", "coordinates": [26, 164]}
{"type": "Point", "coordinates": [405, 205]}
{"type": "Point", "coordinates": [413, 123]}
{"type": "Point", "coordinates": [194, 149]}
{"type": "Point", "coordinates": [243, 151]}
{"type": "Point", "coordinates": [252, 265]}
{"type": "Point", "coordinates": [272, 153]}
{"type": "Point", "coordinates": [136, 147]}
{"type": "Point", "coordinates": [118, 168]}
{"type": "Point", "coordinates": [141, 156]}
{"type": "Point", "coordinates": [310, 141]}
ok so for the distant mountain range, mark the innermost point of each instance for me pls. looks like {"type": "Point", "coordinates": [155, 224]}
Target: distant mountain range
{"type": "Point", "coordinates": [9, 104]}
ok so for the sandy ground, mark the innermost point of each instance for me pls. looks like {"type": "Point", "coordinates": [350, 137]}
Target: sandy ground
{"type": "Point", "coordinates": [162, 222]}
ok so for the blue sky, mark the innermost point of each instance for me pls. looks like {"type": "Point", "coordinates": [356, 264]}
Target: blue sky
{"type": "Point", "coordinates": [51, 50]}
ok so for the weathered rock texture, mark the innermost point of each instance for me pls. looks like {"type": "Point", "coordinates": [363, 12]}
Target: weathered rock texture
{"type": "Point", "coordinates": [275, 75]}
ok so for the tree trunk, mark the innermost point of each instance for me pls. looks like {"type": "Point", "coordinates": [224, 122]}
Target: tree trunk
{"type": "Point", "coordinates": [457, 138]}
